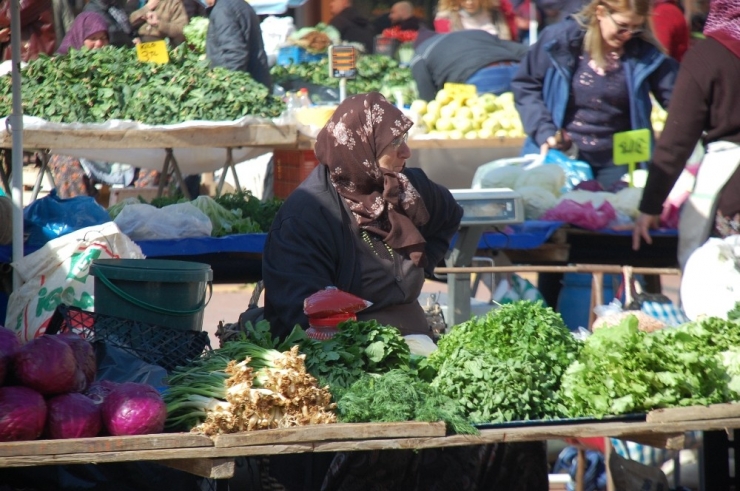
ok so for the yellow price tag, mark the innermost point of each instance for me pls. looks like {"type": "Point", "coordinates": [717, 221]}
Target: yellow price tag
{"type": "Point", "coordinates": [460, 91]}
{"type": "Point", "coordinates": [631, 147]}
{"type": "Point", "coordinates": [153, 52]}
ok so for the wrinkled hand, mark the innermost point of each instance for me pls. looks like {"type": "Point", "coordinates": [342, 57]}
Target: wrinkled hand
{"type": "Point", "coordinates": [5, 35]}
{"type": "Point", "coordinates": [152, 18]}
{"type": "Point", "coordinates": [152, 4]}
{"type": "Point", "coordinates": [643, 224]}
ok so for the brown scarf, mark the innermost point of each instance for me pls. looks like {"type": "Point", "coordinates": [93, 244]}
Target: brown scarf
{"type": "Point", "coordinates": [382, 201]}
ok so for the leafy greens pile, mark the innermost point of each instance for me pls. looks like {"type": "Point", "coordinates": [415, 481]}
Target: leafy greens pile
{"type": "Point", "coordinates": [94, 86]}
{"type": "Point", "coordinates": [375, 73]}
{"type": "Point", "coordinates": [506, 365]}
{"type": "Point", "coordinates": [624, 370]}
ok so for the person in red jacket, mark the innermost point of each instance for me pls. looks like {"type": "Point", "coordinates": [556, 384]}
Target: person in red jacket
{"type": "Point", "coordinates": [37, 29]}
{"type": "Point", "coordinates": [670, 27]}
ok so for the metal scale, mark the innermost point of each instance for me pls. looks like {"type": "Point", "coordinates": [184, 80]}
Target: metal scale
{"type": "Point", "coordinates": [484, 209]}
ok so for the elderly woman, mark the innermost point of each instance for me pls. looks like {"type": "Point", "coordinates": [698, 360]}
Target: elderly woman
{"type": "Point", "coordinates": [89, 30]}
{"type": "Point", "coordinates": [361, 221]}
{"type": "Point", "coordinates": [496, 17]}
{"type": "Point", "coordinates": [368, 225]}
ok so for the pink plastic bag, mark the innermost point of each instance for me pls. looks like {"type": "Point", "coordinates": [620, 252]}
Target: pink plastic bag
{"type": "Point", "coordinates": [583, 215]}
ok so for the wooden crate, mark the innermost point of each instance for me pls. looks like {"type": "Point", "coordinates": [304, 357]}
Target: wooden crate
{"type": "Point", "coordinates": [290, 168]}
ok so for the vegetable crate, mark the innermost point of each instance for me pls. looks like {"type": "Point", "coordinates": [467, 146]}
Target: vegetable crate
{"type": "Point", "coordinates": [290, 168]}
{"type": "Point", "coordinates": [289, 55]}
{"type": "Point", "coordinates": [158, 345]}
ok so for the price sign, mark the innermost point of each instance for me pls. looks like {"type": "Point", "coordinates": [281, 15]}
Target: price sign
{"type": "Point", "coordinates": [154, 52]}
{"type": "Point", "coordinates": [460, 91]}
{"type": "Point", "coordinates": [342, 62]}
{"type": "Point", "coordinates": [631, 147]}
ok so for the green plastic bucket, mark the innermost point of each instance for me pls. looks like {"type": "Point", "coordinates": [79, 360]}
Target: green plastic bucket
{"type": "Point", "coordinates": [155, 291]}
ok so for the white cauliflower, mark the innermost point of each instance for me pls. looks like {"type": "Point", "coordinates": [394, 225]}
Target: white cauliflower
{"type": "Point", "coordinates": [627, 200]}
{"type": "Point", "coordinates": [500, 177]}
{"type": "Point", "coordinates": [549, 177]}
{"type": "Point", "coordinates": [536, 201]}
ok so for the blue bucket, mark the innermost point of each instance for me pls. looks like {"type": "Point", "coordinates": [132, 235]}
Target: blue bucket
{"type": "Point", "coordinates": [574, 300]}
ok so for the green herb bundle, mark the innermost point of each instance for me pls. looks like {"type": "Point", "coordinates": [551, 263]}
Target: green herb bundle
{"type": "Point", "coordinates": [506, 365]}
{"type": "Point", "coordinates": [399, 395]}
{"type": "Point", "coordinates": [94, 86]}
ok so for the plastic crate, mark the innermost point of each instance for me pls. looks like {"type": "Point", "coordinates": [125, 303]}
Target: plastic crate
{"type": "Point", "coordinates": [158, 345]}
{"type": "Point", "coordinates": [290, 168]}
{"type": "Point", "coordinates": [289, 55]}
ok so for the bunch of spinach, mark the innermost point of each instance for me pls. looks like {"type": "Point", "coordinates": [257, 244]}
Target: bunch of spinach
{"type": "Point", "coordinates": [94, 86]}
{"type": "Point", "coordinates": [624, 370]}
{"type": "Point", "coordinates": [506, 365]}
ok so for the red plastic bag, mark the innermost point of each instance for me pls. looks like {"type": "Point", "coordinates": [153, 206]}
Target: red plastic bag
{"type": "Point", "coordinates": [583, 215]}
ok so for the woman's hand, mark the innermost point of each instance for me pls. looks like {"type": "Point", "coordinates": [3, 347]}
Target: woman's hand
{"type": "Point", "coordinates": [560, 141]}
{"type": "Point", "coordinates": [152, 4]}
{"type": "Point", "coordinates": [643, 224]}
{"type": "Point", "coordinates": [5, 35]}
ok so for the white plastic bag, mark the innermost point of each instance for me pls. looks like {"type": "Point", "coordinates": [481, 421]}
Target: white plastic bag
{"type": "Point", "coordinates": [178, 221]}
{"type": "Point", "coordinates": [59, 273]}
{"type": "Point", "coordinates": [710, 282]}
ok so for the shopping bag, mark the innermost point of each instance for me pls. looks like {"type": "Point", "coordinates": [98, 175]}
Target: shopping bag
{"type": "Point", "coordinates": [51, 217]}
{"type": "Point", "coordinates": [59, 273]}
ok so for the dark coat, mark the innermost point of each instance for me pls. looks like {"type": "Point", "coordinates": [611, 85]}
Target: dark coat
{"type": "Point", "coordinates": [310, 244]}
{"type": "Point", "coordinates": [234, 40]}
{"type": "Point", "coordinates": [117, 36]}
{"type": "Point", "coordinates": [454, 57]}
{"type": "Point", "coordinates": [354, 28]}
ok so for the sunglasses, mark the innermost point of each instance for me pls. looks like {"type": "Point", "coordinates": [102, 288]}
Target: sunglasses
{"type": "Point", "coordinates": [623, 29]}
{"type": "Point", "coordinates": [400, 140]}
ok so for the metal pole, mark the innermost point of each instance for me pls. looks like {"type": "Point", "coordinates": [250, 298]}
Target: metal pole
{"type": "Point", "coordinates": [16, 126]}
{"type": "Point", "coordinates": [342, 89]}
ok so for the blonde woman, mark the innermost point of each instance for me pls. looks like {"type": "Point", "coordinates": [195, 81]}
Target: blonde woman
{"type": "Point", "coordinates": [591, 76]}
{"type": "Point", "coordinates": [493, 16]}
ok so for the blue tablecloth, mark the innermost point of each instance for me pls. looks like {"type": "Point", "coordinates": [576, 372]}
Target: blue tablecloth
{"type": "Point", "coordinates": [528, 235]}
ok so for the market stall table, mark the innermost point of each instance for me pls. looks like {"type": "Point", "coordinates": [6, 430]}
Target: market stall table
{"type": "Point", "coordinates": [187, 148]}
{"type": "Point", "coordinates": [211, 457]}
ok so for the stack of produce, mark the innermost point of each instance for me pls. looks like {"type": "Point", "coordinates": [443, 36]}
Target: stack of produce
{"type": "Point", "coordinates": [230, 213]}
{"type": "Point", "coordinates": [95, 86]}
{"type": "Point", "coordinates": [265, 389]}
{"type": "Point", "coordinates": [375, 73]}
{"type": "Point", "coordinates": [623, 369]}
{"type": "Point", "coordinates": [506, 365]}
{"type": "Point", "coordinates": [315, 39]}
{"type": "Point", "coordinates": [47, 389]}
{"type": "Point", "coordinates": [477, 116]}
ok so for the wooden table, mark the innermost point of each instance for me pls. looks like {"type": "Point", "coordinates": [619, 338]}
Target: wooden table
{"type": "Point", "coordinates": [213, 457]}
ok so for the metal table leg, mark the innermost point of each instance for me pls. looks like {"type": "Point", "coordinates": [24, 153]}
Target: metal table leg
{"type": "Point", "coordinates": [229, 164]}
{"type": "Point", "coordinates": [40, 177]}
{"type": "Point", "coordinates": [170, 163]}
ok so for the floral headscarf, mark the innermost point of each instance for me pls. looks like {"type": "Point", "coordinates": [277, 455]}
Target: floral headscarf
{"type": "Point", "coordinates": [723, 23]}
{"type": "Point", "coordinates": [382, 201]}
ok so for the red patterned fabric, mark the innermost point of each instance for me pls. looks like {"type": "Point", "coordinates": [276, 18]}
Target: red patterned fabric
{"type": "Point", "coordinates": [723, 24]}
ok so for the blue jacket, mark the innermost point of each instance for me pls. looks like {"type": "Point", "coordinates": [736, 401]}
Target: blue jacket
{"type": "Point", "coordinates": [542, 85]}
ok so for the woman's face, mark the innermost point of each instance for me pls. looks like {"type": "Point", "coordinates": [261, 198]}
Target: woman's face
{"type": "Point", "coordinates": [394, 156]}
{"type": "Point", "coordinates": [470, 6]}
{"type": "Point", "coordinates": [97, 40]}
{"type": "Point", "coordinates": [618, 27]}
